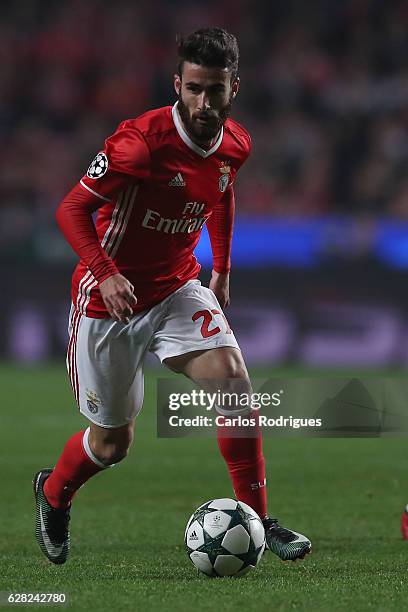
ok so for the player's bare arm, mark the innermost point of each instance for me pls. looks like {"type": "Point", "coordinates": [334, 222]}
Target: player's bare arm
{"type": "Point", "coordinates": [119, 299]}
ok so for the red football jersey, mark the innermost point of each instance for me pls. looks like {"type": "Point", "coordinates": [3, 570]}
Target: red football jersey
{"type": "Point", "coordinates": [155, 189]}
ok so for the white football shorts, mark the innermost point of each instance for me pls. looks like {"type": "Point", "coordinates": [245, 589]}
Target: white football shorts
{"type": "Point", "coordinates": [105, 357]}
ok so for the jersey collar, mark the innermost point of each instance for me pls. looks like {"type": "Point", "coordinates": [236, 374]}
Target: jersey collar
{"type": "Point", "coordinates": [187, 140]}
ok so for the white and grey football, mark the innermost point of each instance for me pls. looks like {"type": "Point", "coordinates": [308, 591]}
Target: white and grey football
{"type": "Point", "coordinates": [225, 537]}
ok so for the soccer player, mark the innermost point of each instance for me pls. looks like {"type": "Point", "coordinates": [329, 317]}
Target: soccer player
{"type": "Point", "coordinates": [157, 181]}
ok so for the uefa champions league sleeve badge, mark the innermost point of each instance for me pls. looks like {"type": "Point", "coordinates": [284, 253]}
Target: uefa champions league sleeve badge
{"type": "Point", "coordinates": [223, 181]}
{"type": "Point", "coordinates": [98, 166]}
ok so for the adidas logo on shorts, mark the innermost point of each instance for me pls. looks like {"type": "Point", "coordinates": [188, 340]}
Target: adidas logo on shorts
{"type": "Point", "coordinates": [177, 181]}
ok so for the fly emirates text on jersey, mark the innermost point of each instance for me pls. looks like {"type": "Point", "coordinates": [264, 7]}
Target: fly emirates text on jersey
{"type": "Point", "coordinates": [153, 220]}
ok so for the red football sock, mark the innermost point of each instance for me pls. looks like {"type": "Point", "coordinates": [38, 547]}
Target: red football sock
{"type": "Point", "coordinates": [246, 466]}
{"type": "Point", "coordinates": [73, 469]}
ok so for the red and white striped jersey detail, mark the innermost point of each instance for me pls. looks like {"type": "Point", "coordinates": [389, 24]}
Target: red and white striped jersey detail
{"type": "Point", "coordinates": [71, 353]}
{"type": "Point", "coordinates": [110, 242]}
{"type": "Point", "coordinates": [85, 287]}
{"type": "Point", "coordinates": [98, 195]}
{"type": "Point", "coordinates": [122, 222]}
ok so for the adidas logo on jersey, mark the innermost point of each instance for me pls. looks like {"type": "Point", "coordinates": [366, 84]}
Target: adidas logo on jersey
{"type": "Point", "coordinates": [177, 181]}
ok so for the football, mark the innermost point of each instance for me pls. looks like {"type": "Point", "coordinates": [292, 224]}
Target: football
{"type": "Point", "coordinates": [225, 537]}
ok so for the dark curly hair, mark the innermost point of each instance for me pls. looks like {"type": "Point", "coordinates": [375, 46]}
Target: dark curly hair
{"type": "Point", "coordinates": [210, 47]}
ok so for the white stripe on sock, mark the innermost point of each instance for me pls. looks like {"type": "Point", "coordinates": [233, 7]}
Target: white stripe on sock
{"type": "Point", "coordinates": [87, 449]}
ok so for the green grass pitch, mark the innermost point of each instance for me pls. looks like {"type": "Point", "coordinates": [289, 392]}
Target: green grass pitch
{"type": "Point", "coordinates": [128, 523]}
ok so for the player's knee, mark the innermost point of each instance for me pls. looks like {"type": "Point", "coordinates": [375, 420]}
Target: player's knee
{"type": "Point", "coordinates": [110, 453]}
{"type": "Point", "coordinates": [113, 454]}
{"type": "Point", "coordinates": [112, 446]}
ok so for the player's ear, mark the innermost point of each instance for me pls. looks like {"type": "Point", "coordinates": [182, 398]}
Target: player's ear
{"type": "Point", "coordinates": [235, 87]}
{"type": "Point", "coordinates": [177, 84]}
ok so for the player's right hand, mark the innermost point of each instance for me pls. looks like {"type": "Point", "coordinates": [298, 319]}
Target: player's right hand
{"type": "Point", "coordinates": [119, 299]}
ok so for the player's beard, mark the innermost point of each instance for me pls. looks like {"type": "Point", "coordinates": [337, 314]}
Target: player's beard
{"type": "Point", "coordinates": [199, 132]}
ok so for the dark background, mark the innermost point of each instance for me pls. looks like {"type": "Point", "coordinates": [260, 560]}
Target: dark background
{"type": "Point", "coordinates": [321, 240]}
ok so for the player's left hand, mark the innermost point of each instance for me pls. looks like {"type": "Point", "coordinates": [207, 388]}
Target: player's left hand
{"type": "Point", "coordinates": [219, 284]}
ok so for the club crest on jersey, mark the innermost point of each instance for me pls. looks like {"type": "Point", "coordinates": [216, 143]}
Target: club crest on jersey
{"type": "Point", "coordinates": [98, 166]}
{"type": "Point", "coordinates": [225, 170]}
{"type": "Point", "coordinates": [92, 401]}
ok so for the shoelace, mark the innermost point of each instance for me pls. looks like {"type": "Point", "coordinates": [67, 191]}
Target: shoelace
{"type": "Point", "coordinates": [284, 534]}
